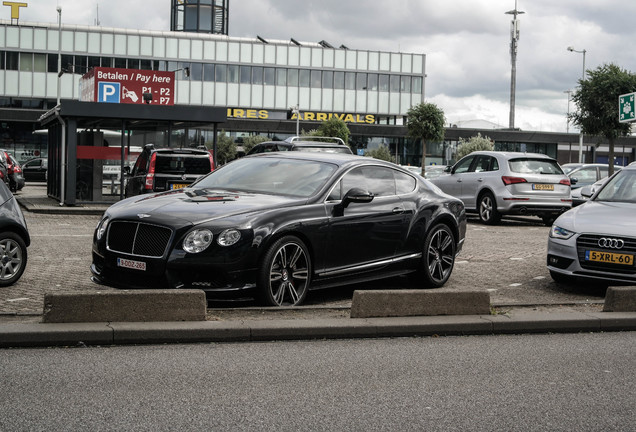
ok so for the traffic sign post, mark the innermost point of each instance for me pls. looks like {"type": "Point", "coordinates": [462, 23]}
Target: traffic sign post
{"type": "Point", "coordinates": [627, 108]}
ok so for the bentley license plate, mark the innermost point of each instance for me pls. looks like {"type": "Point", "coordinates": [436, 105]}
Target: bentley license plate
{"type": "Point", "coordinates": [177, 186]}
{"type": "Point", "coordinates": [546, 187]}
{"type": "Point", "coordinates": [130, 264]}
{"type": "Point", "coordinates": [609, 257]}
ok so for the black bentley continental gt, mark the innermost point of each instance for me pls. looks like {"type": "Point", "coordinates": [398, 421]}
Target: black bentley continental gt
{"type": "Point", "coordinates": [276, 225]}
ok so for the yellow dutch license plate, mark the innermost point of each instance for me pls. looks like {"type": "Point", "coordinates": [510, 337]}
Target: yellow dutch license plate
{"type": "Point", "coordinates": [609, 257]}
{"type": "Point", "coordinates": [177, 186]}
{"type": "Point", "coordinates": [545, 187]}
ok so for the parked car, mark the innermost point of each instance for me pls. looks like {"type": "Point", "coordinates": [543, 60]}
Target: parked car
{"type": "Point", "coordinates": [308, 144]}
{"type": "Point", "coordinates": [275, 225]}
{"type": "Point", "coordinates": [596, 241]}
{"type": "Point", "coordinates": [582, 194]}
{"type": "Point", "coordinates": [14, 170]}
{"type": "Point", "coordinates": [434, 171]}
{"type": "Point", "coordinates": [164, 169]}
{"type": "Point", "coordinates": [507, 183]}
{"type": "Point", "coordinates": [14, 238]}
{"type": "Point", "coordinates": [34, 170]}
{"type": "Point", "coordinates": [588, 174]}
{"type": "Point", "coordinates": [570, 166]}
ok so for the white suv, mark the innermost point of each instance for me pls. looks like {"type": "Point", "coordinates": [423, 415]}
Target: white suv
{"type": "Point", "coordinates": [507, 183]}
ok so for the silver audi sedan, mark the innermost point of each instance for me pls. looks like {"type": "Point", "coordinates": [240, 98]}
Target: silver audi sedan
{"type": "Point", "coordinates": [596, 241]}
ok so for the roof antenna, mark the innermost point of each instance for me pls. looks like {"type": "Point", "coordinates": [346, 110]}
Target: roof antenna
{"type": "Point", "coordinates": [97, 23]}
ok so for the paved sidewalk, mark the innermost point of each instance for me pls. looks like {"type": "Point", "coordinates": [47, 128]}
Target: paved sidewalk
{"type": "Point", "coordinates": [34, 199]}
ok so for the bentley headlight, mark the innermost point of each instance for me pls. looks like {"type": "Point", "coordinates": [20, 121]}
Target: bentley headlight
{"type": "Point", "coordinates": [197, 240]}
{"type": "Point", "coordinates": [229, 237]}
{"type": "Point", "coordinates": [101, 227]}
{"type": "Point", "coordinates": [560, 233]}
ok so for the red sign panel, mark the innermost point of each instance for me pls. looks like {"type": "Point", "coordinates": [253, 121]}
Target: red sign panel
{"type": "Point", "coordinates": [132, 86]}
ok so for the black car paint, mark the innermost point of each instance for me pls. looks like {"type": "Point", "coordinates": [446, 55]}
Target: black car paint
{"type": "Point", "coordinates": [362, 241]}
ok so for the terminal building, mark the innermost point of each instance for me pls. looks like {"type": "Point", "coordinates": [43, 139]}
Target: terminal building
{"type": "Point", "coordinates": [264, 86]}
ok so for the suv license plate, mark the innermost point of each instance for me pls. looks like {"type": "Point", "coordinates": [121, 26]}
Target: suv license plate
{"type": "Point", "coordinates": [546, 187]}
{"type": "Point", "coordinates": [174, 186]}
{"type": "Point", "coordinates": [130, 264]}
{"type": "Point", "coordinates": [609, 257]}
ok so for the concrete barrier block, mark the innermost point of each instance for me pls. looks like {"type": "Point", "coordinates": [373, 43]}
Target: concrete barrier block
{"type": "Point", "coordinates": [413, 302]}
{"type": "Point", "coordinates": [125, 306]}
{"type": "Point", "coordinates": [620, 299]}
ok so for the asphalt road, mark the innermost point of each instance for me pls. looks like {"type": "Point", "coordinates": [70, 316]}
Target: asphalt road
{"type": "Point", "coordinates": [555, 382]}
{"type": "Point", "coordinates": [508, 260]}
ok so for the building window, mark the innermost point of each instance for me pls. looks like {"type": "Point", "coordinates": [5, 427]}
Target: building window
{"type": "Point", "coordinates": [303, 78]}
{"type": "Point", "coordinates": [257, 75]}
{"type": "Point", "coordinates": [350, 80]}
{"type": "Point", "coordinates": [361, 81]}
{"type": "Point", "coordinates": [338, 80]}
{"type": "Point", "coordinates": [416, 86]}
{"type": "Point", "coordinates": [232, 73]}
{"type": "Point", "coordinates": [244, 73]}
{"type": "Point", "coordinates": [383, 83]}
{"type": "Point", "coordinates": [39, 62]}
{"type": "Point", "coordinates": [281, 77]}
{"type": "Point", "coordinates": [316, 79]}
{"type": "Point", "coordinates": [208, 72]}
{"type": "Point", "coordinates": [373, 82]}
{"type": "Point", "coordinates": [269, 76]}
{"type": "Point", "coordinates": [394, 83]}
{"type": "Point", "coordinates": [196, 71]}
{"type": "Point", "coordinates": [221, 73]}
{"type": "Point", "coordinates": [405, 84]}
{"type": "Point", "coordinates": [292, 77]}
{"type": "Point", "coordinates": [120, 63]}
{"type": "Point", "coordinates": [26, 62]}
{"type": "Point", "coordinates": [327, 79]}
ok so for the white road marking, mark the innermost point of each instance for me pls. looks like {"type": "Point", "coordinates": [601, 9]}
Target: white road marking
{"type": "Point", "coordinates": [18, 299]}
{"type": "Point", "coordinates": [515, 284]}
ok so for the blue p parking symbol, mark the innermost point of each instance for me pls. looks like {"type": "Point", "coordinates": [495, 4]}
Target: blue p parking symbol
{"type": "Point", "coordinates": [108, 92]}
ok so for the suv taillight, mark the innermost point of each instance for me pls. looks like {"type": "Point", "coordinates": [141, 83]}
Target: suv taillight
{"type": "Point", "coordinates": [150, 177]}
{"type": "Point", "coordinates": [566, 182]}
{"type": "Point", "coordinates": [211, 162]}
{"type": "Point", "coordinates": [513, 180]}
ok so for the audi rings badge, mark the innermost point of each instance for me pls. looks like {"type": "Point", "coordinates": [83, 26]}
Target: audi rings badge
{"type": "Point", "coordinates": [611, 243]}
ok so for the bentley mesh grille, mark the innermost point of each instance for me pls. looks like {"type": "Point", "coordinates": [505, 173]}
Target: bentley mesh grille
{"type": "Point", "coordinates": [137, 238]}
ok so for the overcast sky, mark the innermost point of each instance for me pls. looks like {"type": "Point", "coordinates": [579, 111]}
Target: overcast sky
{"type": "Point", "coordinates": [466, 42]}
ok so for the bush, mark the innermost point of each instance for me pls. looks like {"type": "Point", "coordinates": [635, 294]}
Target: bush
{"type": "Point", "coordinates": [476, 143]}
{"type": "Point", "coordinates": [381, 153]}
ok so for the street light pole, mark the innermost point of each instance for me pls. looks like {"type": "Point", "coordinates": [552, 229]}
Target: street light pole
{"type": "Point", "coordinates": [514, 37]}
{"type": "Point", "coordinates": [571, 49]}
{"type": "Point", "coordinates": [567, 124]}
{"type": "Point", "coordinates": [59, 51]}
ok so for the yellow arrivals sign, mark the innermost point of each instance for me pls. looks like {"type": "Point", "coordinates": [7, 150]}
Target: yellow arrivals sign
{"type": "Point", "coordinates": [260, 114]}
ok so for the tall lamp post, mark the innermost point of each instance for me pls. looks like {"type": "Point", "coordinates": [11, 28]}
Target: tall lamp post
{"type": "Point", "coordinates": [571, 49]}
{"type": "Point", "coordinates": [59, 51]}
{"type": "Point", "coordinates": [514, 37]}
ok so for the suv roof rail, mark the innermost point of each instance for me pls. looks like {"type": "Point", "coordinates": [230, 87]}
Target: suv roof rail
{"type": "Point", "coordinates": [149, 146]}
{"type": "Point", "coordinates": [335, 140]}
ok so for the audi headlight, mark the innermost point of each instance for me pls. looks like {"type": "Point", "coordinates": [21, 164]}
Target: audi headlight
{"type": "Point", "coordinates": [560, 233]}
{"type": "Point", "coordinates": [197, 240]}
{"type": "Point", "coordinates": [229, 237]}
{"type": "Point", "coordinates": [101, 227]}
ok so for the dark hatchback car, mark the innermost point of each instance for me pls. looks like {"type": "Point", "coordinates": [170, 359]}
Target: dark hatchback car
{"type": "Point", "coordinates": [164, 169]}
{"type": "Point", "coordinates": [276, 225]}
{"type": "Point", "coordinates": [35, 169]}
{"type": "Point", "coordinates": [14, 238]}
{"type": "Point", "coordinates": [308, 144]}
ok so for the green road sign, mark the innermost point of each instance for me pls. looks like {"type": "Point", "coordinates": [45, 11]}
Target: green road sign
{"type": "Point", "coordinates": [627, 108]}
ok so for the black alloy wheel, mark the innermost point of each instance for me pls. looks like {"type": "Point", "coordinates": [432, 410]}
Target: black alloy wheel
{"type": "Point", "coordinates": [285, 273]}
{"type": "Point", "coordinates": [13, 258]}
{"type": "Point", "coordinates": [439, 256]}
{"type": "Point", "coordinates": [487, 208]}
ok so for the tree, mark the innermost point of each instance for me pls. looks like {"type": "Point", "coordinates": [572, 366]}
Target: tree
{"type": "Point", "coordinates": [335, 127]}
{"type": "Point", "coordinates": [473, 144]}
{"type": "Point", "coordinates": [426, 121]}
{"type": "Point", "coordinates": [382, 152]}
{"type": "Point", "coordinates": [225, 148]}
{"type": "Point", "coordinates": [250, 141]}
{"type": "Point", "coordinates": [597, 102]}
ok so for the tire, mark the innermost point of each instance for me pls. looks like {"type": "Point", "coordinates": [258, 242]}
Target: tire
{"type": "Point", "coordinates": [13, 258]}
{"type": "Point", "coordinates": [285, 273]}
{"type": "Point", "coordinates": [487, 209]}
{"type": "Point", "coordinates": [438, 257]}
{"type": "Point", "coordinates": [548, 220]}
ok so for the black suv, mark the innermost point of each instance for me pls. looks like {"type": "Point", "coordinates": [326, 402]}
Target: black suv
{"type": "Point", "coordinates": [308, 143]}
{"type": "Point", "coordinates": [158, 170]}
